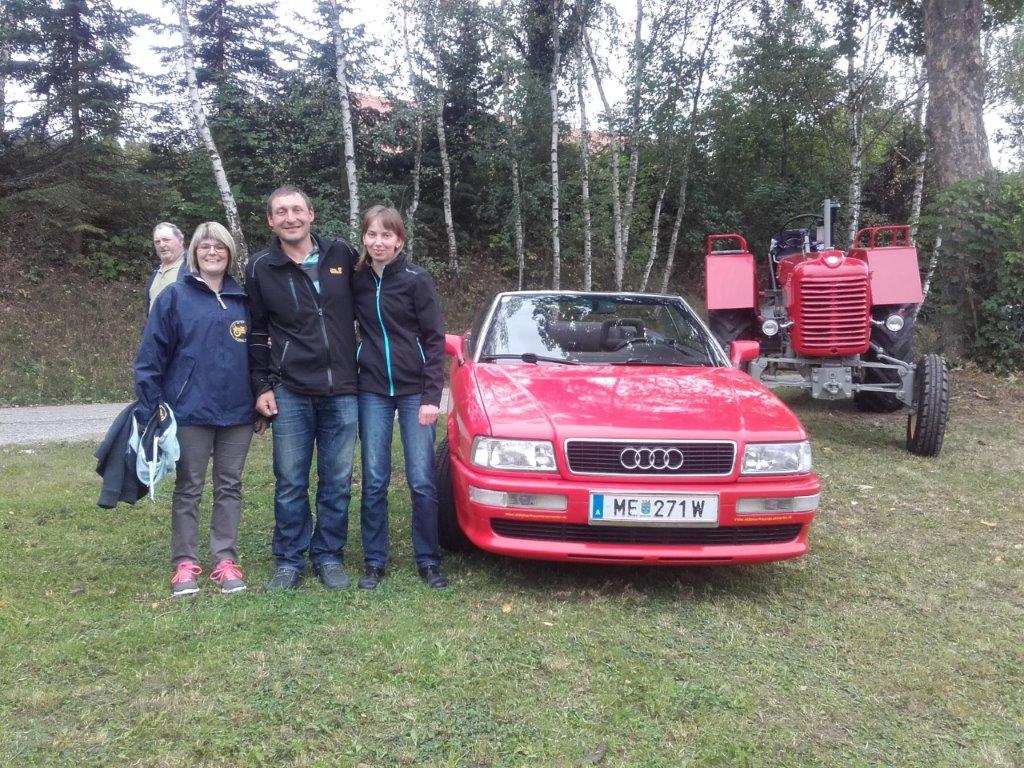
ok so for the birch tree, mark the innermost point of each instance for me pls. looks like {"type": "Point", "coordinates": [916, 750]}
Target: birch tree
{"type": "Point", "coordinates": [556, 257]}
{"type": "Point", "coordinates": [584, 171]}
{"type": "Point", "coordinates": [513, 159]}
{"type": "Point", "coordinates": [613, 134]}
{"type": "Point", "coordinates": [340, 64]}
{"type": "Point", "coordinates": [203, 129]}
{"type": "Point", "coordinates": [718, 15]}
{"type": "Point", "coordinates": [655, 227]}
{"type": "Point", "coordinates": [922, 156]}
{"type": "Point", "coordinates": [433, 35]}
{"type": "Point", "coordinates": [416, 82]}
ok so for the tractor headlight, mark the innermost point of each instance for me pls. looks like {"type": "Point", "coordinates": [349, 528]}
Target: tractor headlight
{"type": "Point", "coordinates": [894, 323]}
{"type": "Point", "coordinates": [770, 327]}
{"type": "Point", "coordinates": [527, 455]}
{"type": "Point", "coordinates": [776, 458]}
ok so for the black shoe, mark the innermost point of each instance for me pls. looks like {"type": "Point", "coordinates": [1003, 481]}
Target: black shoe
{"type": "Point", "coordinates": [332, 576]}
{"type": "Point", "coordinates": [371, 577]}
{"type": "Point", "coordinates": [432, 575]}
{"type": "Point", "coordinates": [284, 578]}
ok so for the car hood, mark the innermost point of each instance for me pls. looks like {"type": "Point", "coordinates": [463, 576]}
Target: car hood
{"type": "Point", "coordinates": [648, 402]}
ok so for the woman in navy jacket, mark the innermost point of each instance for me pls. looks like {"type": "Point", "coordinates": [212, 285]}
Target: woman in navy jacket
{"type": "Point", "coordinates": [194, 358]}
{"type": "Point", "coordinates": [401, 369]}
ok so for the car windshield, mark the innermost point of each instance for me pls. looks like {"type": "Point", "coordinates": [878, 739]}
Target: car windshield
{"type": "Point", "coordinates": [597, 329]}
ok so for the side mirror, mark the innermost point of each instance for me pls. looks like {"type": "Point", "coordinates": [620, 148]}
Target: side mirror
{"type": "Point", "coordinates": [453, 346]}
{"type": "Point", "coordinates": [742, 352]}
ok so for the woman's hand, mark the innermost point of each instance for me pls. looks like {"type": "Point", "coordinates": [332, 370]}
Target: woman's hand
{"type": "Point", "coordinates": [428, 414]}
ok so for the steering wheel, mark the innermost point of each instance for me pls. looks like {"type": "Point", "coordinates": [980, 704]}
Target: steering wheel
{"type": "Point", "coordinates": [819, 220]}
{"type": "Point", "coordinates": [610, 344]}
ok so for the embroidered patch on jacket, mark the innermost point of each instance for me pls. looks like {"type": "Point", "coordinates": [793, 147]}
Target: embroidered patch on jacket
{"type": "Point", "coordinates": [337, 270]}
{"type": "Point", "coordinates": [239, 330]}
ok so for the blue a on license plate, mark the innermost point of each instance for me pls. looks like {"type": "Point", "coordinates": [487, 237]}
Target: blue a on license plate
{"type": "Point", "coordinates": [653, 509]}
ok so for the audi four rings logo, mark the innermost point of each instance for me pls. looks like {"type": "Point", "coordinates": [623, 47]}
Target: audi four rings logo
{"type": "Point", "coordinates": [651, 458]}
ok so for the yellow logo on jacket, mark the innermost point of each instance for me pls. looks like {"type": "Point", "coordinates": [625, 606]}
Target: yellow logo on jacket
{"type": "Point", "coordinates": [239, 330]}
{"type": "Point", "coordinates": [337, 270]}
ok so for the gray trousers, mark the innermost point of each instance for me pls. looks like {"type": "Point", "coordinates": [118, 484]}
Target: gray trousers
{"type": "Point", "coordinates": [229, 446]}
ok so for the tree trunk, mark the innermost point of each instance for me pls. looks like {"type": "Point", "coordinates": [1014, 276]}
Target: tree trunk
{"type": "Point", "coordinates": [922, 156]}
{"type": "Point", "coordinates": [446, 179]}
{"type": "Point", "coordinates": [655, 228]}
{"type": "Point", "coordinates": [556, 256]}
{"type": "Point", "coordinates": [78, 38]}
{"type": "Point", "coordinates": [340, 55]}
{"type": "Point", "coordinates": [416, 82]}
{"type": "Point", "coordinates": [620, 257]}
{"type": "Point", "coordinates": [5, 61]}
{"type": "Point", "coordinates": [956, 89]}
{"type": "Point", "coordinates": [854, 118]}
{"type": "Point", "coordinates": [203, 128]}
{"type": "Point", "coordinates": [634, 127]}
{"type": "Point", "coordinates": [684, 177]}
{"type": "Point", "coordinates": [417, 169]}
{"type": "Point", "coordinates": [584, 174]}
{"type": "Point", "coordinates": [517, 194]}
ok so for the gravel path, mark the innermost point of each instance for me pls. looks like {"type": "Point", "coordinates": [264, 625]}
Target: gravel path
{"type": "Point", "coordinates": [68, 423]}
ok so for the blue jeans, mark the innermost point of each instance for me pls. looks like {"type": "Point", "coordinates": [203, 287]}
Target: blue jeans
{"type": "Point", "coordinates": [301, 421]}
{"type": "Point", "coordinates": [376, 425]}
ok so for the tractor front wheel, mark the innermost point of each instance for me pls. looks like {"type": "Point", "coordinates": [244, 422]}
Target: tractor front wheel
{"type": "Point", "coordinates": [728, 325]}
{"type": "Point", "coordinates": [898, 344]}
{"type": "Point", "coordinates": [449, 534]}
{"type": "Point", "coordinates": [926, 426]}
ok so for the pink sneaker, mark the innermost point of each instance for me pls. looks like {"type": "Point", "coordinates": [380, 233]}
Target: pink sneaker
{"type": "Point", "coordinates": [184, 582]}
{"type": "Point", "coordinates": [229, 576]}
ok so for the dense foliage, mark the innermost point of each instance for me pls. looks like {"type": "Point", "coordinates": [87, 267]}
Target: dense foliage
{"type": "Point", "coordinates": [735, 116]}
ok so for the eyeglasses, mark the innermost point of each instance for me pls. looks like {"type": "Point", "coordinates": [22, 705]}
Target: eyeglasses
{"type": "Point", "coordinates": [210, 248]}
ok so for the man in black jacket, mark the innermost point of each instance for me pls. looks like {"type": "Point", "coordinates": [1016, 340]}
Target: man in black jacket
{"type": "Point", "coordinates": [302, 360]}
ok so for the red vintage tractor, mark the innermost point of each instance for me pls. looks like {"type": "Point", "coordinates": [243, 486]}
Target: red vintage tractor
{"type": "Point", "coordinates": [837, 324]}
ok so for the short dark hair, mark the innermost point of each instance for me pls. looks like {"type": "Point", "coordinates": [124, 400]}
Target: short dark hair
{"type": "Point", "coordinates": [287, 189]}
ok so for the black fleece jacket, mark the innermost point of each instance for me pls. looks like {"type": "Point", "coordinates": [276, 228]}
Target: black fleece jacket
{"type": "Point", "coordinates": [402, 332]}
{"type": "Point", "coordinates": [300, 338]}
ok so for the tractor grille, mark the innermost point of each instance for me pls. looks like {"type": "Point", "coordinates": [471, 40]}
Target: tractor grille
{"type": "Point", "coordinates": [604, 457]}
{"type": "Point", "coordinates": [621, 534]}
{"type": "Point", "coordinates": [833, 317]}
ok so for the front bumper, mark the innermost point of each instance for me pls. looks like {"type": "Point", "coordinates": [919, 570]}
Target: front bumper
{"type": "Point", "coordinates": [567, 536]}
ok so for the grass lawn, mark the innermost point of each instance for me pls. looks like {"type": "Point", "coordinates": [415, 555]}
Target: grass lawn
{"type": "Point", "coordinates": [898, 641]}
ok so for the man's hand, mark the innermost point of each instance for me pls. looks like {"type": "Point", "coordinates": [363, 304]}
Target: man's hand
{"type": "Point", "coordinates": [266, 404]}
{"type": "Point", "coordinates": [428, 414]}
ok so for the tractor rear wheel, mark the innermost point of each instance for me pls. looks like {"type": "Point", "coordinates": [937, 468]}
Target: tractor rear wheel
{"type": "Point", "coordinates": [926, 426]}
{"type": "Point", "coordinates": [449, 534]}
{"type": "Point", "coordinates": [898, 344]}
{"type": "Point", "coordinates": [728, 325]}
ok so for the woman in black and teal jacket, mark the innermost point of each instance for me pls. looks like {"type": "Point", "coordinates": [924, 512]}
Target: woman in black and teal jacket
{"type": "Point", "coordinates": [401, 370]}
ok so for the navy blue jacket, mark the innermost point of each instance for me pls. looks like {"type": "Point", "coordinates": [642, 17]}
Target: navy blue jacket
{"type": "Point", "coordinates": [402, 348]}
{"type": "Point", "coordinates": [301, 338]}
{"type": "Point", "coordinates": [194, 357]}
{"type": "Point", "coordinates": [115, 463]}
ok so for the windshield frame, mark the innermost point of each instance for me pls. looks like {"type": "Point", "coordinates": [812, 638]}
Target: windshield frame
{"type": "Point", "coordinates": [677, 301]}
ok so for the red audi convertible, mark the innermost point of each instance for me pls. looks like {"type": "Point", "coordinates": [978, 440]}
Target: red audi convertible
{"type": "Point", "coordinates": [611, 428]}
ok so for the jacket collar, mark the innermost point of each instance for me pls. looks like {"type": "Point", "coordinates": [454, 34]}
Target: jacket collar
{"type": "Point", "coordinates": [395, 266]}
{"type": "Point", "coordinates": [229, 288]}
{"type": "Point", "coordinates": [279, 258]}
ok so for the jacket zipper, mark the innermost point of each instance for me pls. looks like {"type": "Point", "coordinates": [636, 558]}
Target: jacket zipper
{"type": "Point", "coordinates": [323, 330]}
{"type": "Point", "coordinates": [284, 353]}
{"type": "Point", "coordinates": [295, 296]}
{"type": "Point", "coordinates": [185, 383]}
{"type": "Point", "coordinates": [422, 356]}
{"type": "Point", "coordinates": [387, 342]}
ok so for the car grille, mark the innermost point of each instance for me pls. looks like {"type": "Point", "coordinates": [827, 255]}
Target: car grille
{"type": "Point", "coordinates": [586, 457]}
{"type": "Point", "coordinates": [621, 534]}
{"type": "Point", "coordinates": [833, 315]}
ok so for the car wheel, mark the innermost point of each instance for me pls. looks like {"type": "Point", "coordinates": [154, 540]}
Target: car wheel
{"type": "Point", "coordinates": [899, 344]}
{"type": "Point", "coordinates": [728, 325]}
{"type": "Point", "coordinates": [449, 534]}
{"type": "Point", "coordinates": [926, 426]}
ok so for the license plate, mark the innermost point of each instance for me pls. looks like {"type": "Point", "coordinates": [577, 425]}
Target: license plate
{"type": "Point", "coordinates": [653, 509]}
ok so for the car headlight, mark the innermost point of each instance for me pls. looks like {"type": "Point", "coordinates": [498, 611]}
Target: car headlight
{"type": "Point", "coordinates": [528, 455]}
{"type": "Point", "coordinates": [776, 458]}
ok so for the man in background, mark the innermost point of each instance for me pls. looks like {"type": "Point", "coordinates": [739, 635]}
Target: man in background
{"type": "Point", "coordinates": [169, 244]}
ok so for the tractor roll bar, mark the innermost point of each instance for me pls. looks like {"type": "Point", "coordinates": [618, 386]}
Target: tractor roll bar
{"type": "Point", "coordinates": [892, 236]}
{"type": "Point", "coordinates": [740, 240]}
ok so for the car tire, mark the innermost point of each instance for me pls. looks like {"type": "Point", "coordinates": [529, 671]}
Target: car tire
{"type": "Point", "coordinates": [926, 426]}
{"type": "Point", "coordinates": [728, 325]}
{"type": "Point", "coordinates": [449, 533]}
{"type": "Point", "coordinates": [899, 345]}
